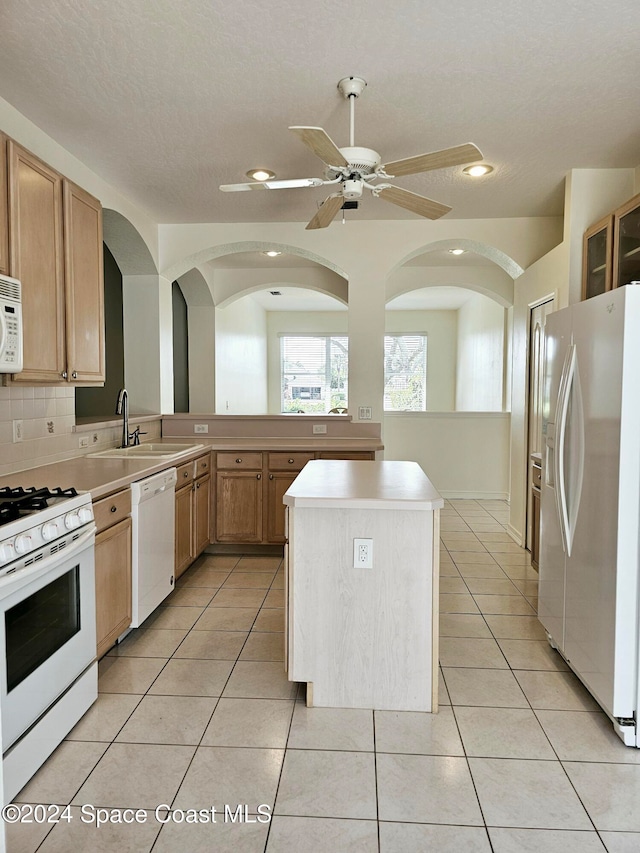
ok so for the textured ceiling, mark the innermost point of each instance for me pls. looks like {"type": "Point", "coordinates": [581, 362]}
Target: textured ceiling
{"type": "Point", "coordinates": [168, 99]}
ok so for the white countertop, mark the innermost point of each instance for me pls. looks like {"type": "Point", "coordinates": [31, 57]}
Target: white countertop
{"type": "Point", "coordinates": [359, 485]}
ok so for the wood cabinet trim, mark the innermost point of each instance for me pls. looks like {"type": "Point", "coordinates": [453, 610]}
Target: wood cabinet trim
{"type": "Point", "coordinates": [604, 224]}
{"type": "Point", "coordinates": [4, 208]}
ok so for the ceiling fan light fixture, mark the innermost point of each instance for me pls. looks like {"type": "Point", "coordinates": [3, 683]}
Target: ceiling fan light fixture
{"type": "Point", "coordinates": [272, 253]}
{"type": "Point", "coordinates": [456, 251]}
{"type": "Point", "coordinates": [478, 170]}
{"type": "Point", "coordinates": [260, 174]}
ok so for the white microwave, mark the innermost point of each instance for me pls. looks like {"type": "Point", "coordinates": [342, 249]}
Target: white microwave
{"type": "Point", "coordinates": [10, 325]}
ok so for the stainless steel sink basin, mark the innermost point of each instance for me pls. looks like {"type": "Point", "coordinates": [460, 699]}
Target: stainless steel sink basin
{"type": "Point", "coordinates": [163, 452]}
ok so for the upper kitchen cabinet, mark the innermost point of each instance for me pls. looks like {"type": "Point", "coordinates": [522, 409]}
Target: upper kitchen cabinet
{"type": "Point", "coordinates": [4, 208]}
{"type": "Point", "coordinates": [626, 248]}
{"type": "Point", "coordinates": [596, 258]}
{"type": "Point", "coordinates": [84, 285]}
{"type": "Point", "coordinates": [55, 249]}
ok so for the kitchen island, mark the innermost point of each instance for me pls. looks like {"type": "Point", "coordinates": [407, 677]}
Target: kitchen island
{"type": "Point", "coordinates": [362, 616]}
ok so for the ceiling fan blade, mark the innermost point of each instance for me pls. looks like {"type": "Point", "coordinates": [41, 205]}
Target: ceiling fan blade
{"type": "Point", "coordinates": [319, 141]}
{"type": "Point", "coordinates": [412, 201]}
{"type": "Point", "coordinates": [457, 156]}
{"type": "Point", "coordinates": [328, 210]}
{"type": "Point", "coordinates": [291, 184]}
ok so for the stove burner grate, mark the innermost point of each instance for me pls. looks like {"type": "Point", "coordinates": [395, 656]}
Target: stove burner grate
{"type": "Point", "coordinates": [17, 502]}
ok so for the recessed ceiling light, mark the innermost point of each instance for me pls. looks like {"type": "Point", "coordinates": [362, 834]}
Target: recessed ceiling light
{"type": "Point", "coordinates": [261, 174]}
{"type": "Point", "coordinates": [456, 251]}
{"type": "Point", "coordinates": [478, 170]}
{"type": "Point", "coordinates": [272, 253]}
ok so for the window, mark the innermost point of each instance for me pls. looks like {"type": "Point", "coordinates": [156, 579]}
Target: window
{"type": "Point", "coordinates": [313, 372]}
{"type": "Point", "coordinates": [405, 373]}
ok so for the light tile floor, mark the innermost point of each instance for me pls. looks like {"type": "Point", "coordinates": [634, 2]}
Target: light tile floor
{"type": "Point", "coordinates": [195, 710]}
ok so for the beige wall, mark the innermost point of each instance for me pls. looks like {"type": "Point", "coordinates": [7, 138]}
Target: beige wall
{"type": "Point", "coordinates": [241, 358]}
{"type": "Point", "coordinates": [480, 356]}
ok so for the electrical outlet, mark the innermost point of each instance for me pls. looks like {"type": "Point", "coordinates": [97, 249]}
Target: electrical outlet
{"type": "Point", "coordinates": [363, 553]}
{"type": "Point", "coordinates": [319, 429]}
{"type": "Point", "coordinates": [18, 431]}
{"type": "Point", "coordinates": [84, 441]}
{"type": "Point", "coordinates": [364, 413]}
{"type": "Point", "coordinates": [201, 428]}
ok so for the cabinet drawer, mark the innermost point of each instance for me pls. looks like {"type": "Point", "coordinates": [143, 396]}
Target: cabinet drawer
{"type": "Point", "coordinates": [202, 465]}
{"type": "Point", "coordinates": [536, 476]}
{"type": "Point", "coordinates": [184, 474]}
{"type": "Point", "coordinates": [239, 460]}
{"type": "Point", "coordinates": [109, 511]}
{"type": "Point", "coordinates": [289, 461]}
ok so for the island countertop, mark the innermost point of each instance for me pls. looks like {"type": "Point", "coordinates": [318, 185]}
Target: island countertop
{"type": "Point", "coordinates": [363, 485]}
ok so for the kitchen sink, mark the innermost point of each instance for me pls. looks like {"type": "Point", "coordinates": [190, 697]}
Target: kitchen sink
{"type": "Point", "coordinates": [164, 451]}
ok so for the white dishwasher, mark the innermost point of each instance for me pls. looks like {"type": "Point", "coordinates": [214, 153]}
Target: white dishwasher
{"type": "Point", "coordinates": [153, 535]}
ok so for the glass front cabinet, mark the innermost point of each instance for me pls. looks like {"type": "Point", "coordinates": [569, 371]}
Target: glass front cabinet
{"type": "Point", "coordinates": [626, 249]}
{"type": "Point", "coordinates": [597, 255]}
{"type": "Point", "coordinates": [611, 250]}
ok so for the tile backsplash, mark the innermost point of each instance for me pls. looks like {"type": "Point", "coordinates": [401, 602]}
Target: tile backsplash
{"type": "Point", "coordinates": [48, 428]}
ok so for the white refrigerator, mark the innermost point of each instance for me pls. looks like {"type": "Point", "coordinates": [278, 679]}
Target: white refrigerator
{"type": "Point", "coordinates": [590, 498]}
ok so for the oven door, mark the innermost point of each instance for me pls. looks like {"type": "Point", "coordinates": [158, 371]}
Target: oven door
{"type": "Point", "coordinates": [47, 630]}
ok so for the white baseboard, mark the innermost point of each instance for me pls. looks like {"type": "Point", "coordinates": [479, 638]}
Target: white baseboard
{"type": "Point", "coordinates": [516, 535]}
{"type": "Point", "coordinates": [478, 496]}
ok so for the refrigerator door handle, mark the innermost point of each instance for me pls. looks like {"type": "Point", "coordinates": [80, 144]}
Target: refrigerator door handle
{"type": "Point", "coordinates": [564, 396]}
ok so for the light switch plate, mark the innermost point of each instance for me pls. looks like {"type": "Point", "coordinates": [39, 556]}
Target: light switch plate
{"type": "Point", "coordinates": [364, 413]}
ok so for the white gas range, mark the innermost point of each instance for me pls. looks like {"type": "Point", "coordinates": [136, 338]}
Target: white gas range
{"type": "Point", "coordinates": [48, 669]}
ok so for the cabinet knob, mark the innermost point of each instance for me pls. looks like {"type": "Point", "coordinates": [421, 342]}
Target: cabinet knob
{"type": "Point", "coordinates": [114, 509]}
{"type": "Point", "coordinates": [74, 375]}
{"type": "Point", "coordinates": [197, 485]}
{"type": "Point", "coordinates": [64, 374]}
{"type": "Point", "coordinates": [185, 473]}
{"type": "Point", "coordinates": [259, 476]}
{"type": "Point", "coordinates": [238, 461]}
{"type": "Point", "coordinates": [271, 476]}
{"type": "Point", "coordinates": [290, 461]}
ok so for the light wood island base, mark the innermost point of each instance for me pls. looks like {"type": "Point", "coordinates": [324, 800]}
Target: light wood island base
{"type": "Point", "coordinates": [363, 637]}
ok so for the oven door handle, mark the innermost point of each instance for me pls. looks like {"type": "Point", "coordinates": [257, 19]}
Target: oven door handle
{"type": "Point", "coordinates": [36, 570]}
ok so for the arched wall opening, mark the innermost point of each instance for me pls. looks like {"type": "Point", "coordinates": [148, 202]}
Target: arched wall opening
{"type": "Point", "coordinates": [126, 256]}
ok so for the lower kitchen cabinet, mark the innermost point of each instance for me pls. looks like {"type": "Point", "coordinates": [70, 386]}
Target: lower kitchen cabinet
{"type": "Point", "coordinates": [113, 568]}
{"type": "Point", "coordinates": [193, 504]}
{"type": "Point", "coordinates": [250, 486]}
{"type": "Point", "coordinates": [239, 506]}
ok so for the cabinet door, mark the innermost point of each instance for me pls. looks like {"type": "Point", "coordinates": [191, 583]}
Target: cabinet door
{"type": "Point", "coordinates": [626, 249]}
{"type": "Point", "coordinates": [239, 506]}
{"type": "Point", "coordinates": [84, 287]}
{"type": "Point", "coordinates": [113, 584]}
{"type": "Point", "coordinates": [277, 485]}
{"type": "Point", "coordinates": [4, 208]}
{"type": "Point", "coordinates": [36, 258]}
{"type": "Point", "coordinates": [597, 257]}
{"type": "Point", "coordinates": [183, 546]}
{"type": "Point", "coordinates": [202, 504]}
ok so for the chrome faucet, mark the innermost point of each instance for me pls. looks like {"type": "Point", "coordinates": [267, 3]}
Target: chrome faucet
{"type": "Point", "coordinates": [122, 408]}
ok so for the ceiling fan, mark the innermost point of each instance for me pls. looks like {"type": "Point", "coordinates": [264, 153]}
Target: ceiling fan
{"type": "Point", "coordinates": [353, 169]}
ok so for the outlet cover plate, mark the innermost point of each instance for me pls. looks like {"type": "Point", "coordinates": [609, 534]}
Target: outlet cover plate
{"type": "Point", "coordinates": [363, 553]}
{"type": "Point", "coordinates": [201, 428]}
{"type": "Point", "coordinates": [319, 429]}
